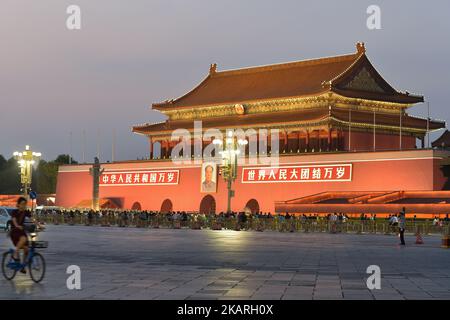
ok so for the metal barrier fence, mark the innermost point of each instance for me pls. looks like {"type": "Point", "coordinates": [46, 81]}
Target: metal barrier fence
{"type": "Point", "coordinates": [258, 224]}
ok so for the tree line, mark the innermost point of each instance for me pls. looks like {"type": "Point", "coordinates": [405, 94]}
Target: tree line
{"type": "Point", "coordinates": [44, 175]}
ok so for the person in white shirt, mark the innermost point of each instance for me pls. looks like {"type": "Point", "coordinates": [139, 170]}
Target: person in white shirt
{"type": "Point", "coordinates": [435, 221]}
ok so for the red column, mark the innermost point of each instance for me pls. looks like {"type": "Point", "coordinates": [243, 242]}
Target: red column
{"type": "Point", "coordinates": [171, 145]}
{"type": "Point", "coordinates": [318, 140]}
{"type": "Point", "coordinates": [167, 148]}
{"type": "Point", "coordinates": [163, 149]}
{"type": "Point", "coordinates": [329, 139]}
{"type": "Point", "coordinates": [337, 143]}
{"type": "Point", "coordinates": [307, 140]}
{"type": "Point", "coordinates": [285, 149]}
{"type": "Point", "coordinates": [150, 147]}
{"type": "Point", "coordinates": [257, 143]}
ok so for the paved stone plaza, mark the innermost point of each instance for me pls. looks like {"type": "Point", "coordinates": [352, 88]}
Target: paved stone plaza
{"type": "Point", "coordinates": [130, 263]}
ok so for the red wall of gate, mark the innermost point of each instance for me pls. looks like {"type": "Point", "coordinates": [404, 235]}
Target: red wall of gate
{"type": "Point", "coordinates": [372, 171]}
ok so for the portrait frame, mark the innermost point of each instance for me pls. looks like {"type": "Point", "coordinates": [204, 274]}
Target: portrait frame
{"type": "Point", "coordinates": [208, 177]}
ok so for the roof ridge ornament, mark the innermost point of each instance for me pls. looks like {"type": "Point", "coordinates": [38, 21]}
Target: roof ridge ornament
{"type": "Point", "coordinates": [326, 84]}
{"type": "Point", "coordinates": [212, 68]}
{"type": "Point", "coordinates": [360, 48]}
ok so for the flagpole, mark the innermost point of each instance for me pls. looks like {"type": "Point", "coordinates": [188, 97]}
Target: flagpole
{"type": "Point", "coordinates": [70, 147]}
{"type": "Point", "coordinates": [113, 148]}
{"type": "Point", "coordinates": [428, 124]}
{"type": "Point", "coordinates": [374, 130]}
{"type": "Point", "coordinates": [401, 113]}
{"type": "Point", "coordinates": [84, 146]}
{"type": "Point", "coordinates": [98, 144]}
{"type": "Point", "coordinates": [349, 129]}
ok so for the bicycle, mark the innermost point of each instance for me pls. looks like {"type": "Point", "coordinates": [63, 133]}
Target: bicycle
{"type": "Point", "coordinates": [34, 261]}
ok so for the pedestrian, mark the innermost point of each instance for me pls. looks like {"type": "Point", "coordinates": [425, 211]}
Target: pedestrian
{"type": "Point", "coordinates": [401, 226]}
{"type": "Point", "coordinates": [436, 221]}
{"type": "Point", "coordinates": [446, 219]}
{"type": "Point", "coordinates": [90, 216]}
{"type": "Point", "coordinates": [17, 234]}
{"type": "Point", "coordinates": [393, 222]}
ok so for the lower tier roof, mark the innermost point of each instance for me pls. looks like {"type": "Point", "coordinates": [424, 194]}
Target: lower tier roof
{"type": "Point", "coordinates": [306, 117]}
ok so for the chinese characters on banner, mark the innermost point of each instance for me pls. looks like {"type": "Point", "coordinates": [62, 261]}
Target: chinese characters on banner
{"type": "Point", "coordinates": [332, 172]}
{"type": "Point", "coordinates": [139, 178]}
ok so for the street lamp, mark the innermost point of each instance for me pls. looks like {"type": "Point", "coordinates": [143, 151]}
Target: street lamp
{"type": "Point", "coordinates": [26, 159]}
{"type": "Point", "coordinates": [229, 155]}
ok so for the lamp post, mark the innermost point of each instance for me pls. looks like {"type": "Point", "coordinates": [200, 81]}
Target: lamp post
{"type": "Point", "coordinates": [26, 159]}
{"type": "Point", "coordinates": [230, 155]}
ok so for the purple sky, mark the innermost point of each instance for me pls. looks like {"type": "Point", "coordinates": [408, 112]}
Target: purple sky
{"type": "Point", "coordinates": [130, 54]}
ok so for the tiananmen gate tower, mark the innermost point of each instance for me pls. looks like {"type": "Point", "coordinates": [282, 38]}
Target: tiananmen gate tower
{"type": "Point", "coordinates": [346, 143]}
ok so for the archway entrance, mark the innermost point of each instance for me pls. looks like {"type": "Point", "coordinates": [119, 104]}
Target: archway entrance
{"type": "Point", "coordinates": [208, 204]}
{"type": "Point", "coordinates": [136, 206]}
{"type": "Point", "coordinates": [166, 206]}
{"type": "Point", "coordinates": [252, 206]}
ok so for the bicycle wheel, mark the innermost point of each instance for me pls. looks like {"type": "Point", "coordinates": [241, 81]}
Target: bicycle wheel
{"type": "Point", "coordinates": [36, 266]}
{"type": "Point", "coordinates": [8, 273]}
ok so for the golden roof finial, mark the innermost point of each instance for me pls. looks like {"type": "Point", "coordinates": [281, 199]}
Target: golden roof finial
{"type": "Point", "coordinates": [360, 48]}
{"type": "Point", "coordinates": [212, 68]}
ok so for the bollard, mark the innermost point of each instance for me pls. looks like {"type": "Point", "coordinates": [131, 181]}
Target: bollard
{"type": "Point", "coordinates": [446, 241]}
{"type": "Point", "coordinates": [333, 227]}
{"type": "Point", "coordinates": [427, 229]}
{"type": "Point", "coordinates": [386, 229]}
{"type": "Point", "coordinates": [360, 229]}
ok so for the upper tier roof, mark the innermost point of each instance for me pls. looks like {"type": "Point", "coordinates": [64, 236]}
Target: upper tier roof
{"type": "Point", "coordinates": [350, 75]}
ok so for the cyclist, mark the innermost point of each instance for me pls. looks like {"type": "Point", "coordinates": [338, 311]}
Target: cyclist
{"type": "Point", "coordinates": [18, 235]}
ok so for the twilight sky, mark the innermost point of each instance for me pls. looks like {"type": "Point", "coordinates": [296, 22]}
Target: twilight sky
{"type": "Point", "coordinates": [129, 54]}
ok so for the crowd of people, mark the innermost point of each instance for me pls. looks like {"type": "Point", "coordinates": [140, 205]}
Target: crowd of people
{"type": "Point", "coordinates": [334, 222]}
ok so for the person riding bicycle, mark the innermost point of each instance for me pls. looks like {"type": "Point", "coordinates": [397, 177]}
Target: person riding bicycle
{"type": "Point", "coordinates": [18, 234]}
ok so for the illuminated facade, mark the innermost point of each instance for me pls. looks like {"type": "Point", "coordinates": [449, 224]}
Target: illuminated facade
{"type": "Point", "coordinates": [341, 127]}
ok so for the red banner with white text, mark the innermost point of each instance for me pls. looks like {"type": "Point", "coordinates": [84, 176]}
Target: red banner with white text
{"type": "Point", "coordinates": [310, 173]}
{"type": "Point", "coordinates": [139, 178]}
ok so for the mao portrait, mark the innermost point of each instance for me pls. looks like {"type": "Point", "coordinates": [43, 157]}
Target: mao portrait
{"type": "Point", "coordinates": [209, 177]}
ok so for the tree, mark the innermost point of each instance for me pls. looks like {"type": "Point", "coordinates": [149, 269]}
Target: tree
{"type": "Point", "coordinates": [44, 175]}
{"type": "Point", "coordinates": [3, 162]}
{"type": "Point", "coordinates": [47, 172]}
{"type": "Point", "coordinates": [9, 176]}
{"type": "Point", "coordinates": [64, 159]}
